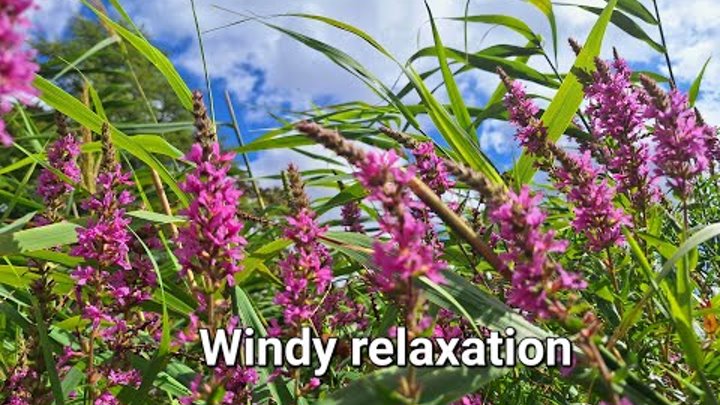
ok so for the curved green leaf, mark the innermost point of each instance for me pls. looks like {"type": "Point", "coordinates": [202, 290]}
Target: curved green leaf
{"type": "Point", "coordinates": [695, 88]}
{"type": "Point", "coordinates": [630, 27]}
{"type": "Point", "coordinates": [490, 59]}
{"type": "Point", "coordinates": [510, 22]}
{"type": "Point", "coordinates": [456, 100]}
{"type": "Point", "coordinates": [546, 7]}
{"type": "Point", "coordinates": [153, 55]}
{"type": "Point", "coordinates": [635, 8]}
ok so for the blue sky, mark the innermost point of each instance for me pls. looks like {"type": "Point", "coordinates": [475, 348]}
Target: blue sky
{"type": "Point", "coordinates": [268, 72]}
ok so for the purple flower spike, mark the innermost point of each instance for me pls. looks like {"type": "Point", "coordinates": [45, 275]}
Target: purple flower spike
{"type": "Point", "coordinates": [211, 243]}
{"type": "Point", "coordinates": [17, 69]}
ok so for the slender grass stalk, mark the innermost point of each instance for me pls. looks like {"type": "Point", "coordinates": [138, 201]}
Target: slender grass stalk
{"type": "Point", "coordinates": [673, 83]}
{"type": "Point", "coordinates": [208, 84]}
{"type": "Point", "coordinates": [241, 142]}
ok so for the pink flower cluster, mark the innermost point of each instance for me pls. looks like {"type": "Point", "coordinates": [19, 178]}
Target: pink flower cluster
{"type": "Point", "coordinates": [62, 156]}
{"type": "Point", "coordinates": [432, 168]}
{"type": "Point", "coordinates": [211, 243]}
{"type": "Point", "coordinates": [122, 277]}
{"type": "Point", "coordinates": [405, 255]}
{"type": "Point", "coordinates": [471, 399]}
{"type": "Point", "coordinates": [306, 272]}
{"type": "Point", "coordinates": [595, 214]}
{"type": "Point", "coordinates": [16, 386]}
{"type": "Point", "coordinates": [17, 68]}
{"type": "Point", "coordinates": [535, 278]}
{"type": "Point", "coordinates": [522, 113]}
{"type": "Point", "coordinates": [617, 112]}
{"type": "Point", "coordinates": [681, 152]}
{"type": "Point", "coordinates": [351, 217]}
{"type": "Point", "coordinates": [596, 217]}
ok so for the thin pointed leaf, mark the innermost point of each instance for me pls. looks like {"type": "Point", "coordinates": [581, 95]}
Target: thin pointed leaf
{"type": "Point", "coordinates": [695, 88]}
{"type": "Point", "coordinates": [456, 100]}
{"type": "Point", "coordinates": [510, 22]}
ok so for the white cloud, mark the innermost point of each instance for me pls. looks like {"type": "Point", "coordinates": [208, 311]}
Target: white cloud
{"type": "Point", "coordinates": [51, 17]}
{"type": "Point", "coordinates": [497, 136]}
{"type": "Point", "coordinates": [268, 71]}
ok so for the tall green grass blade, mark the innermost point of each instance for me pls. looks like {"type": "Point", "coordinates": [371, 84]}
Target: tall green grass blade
{"type": "Point", "coordinates": [456, 136]}
{"type": "Point", "coordinates": [546, 7]}
{"type": "Point", "coordinates": [153, 55]}
{"type": "Point", "coordinates": [695, 88]}
{"type": "Point", "coordinates": [456, 100]}
{"type": "Point", "coordinates": [244, 308]}
{"type": "Point", "coordinates": [485, 60]}
{"type": "Point", "coordinates": [439, 386]}
{"type": "Point", "coordinates": [344, 60]}
{"type": "Point", "coordinates": [158, 363]}
{"type": "Point", "coordinates": [507, 21]}
{"type": "Point", "coordinates": [87, 54]}
{"type": "Point", "coordinates": [345, 27]}
{"type": "Point", "coordinates": [208, 84]}
{"type": "Point", "coordinates": [636, 8]}
{"type": "Point", "coordinates": [629, 26]}
{"type": "Point", "coordinates": [48, 353]}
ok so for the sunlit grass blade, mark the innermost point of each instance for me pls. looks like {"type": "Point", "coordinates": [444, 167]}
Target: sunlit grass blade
{"type": "Point", "coordinates": [87, 54]}
{"type": "Point", "coordinates": [625, 23]}
{"type": "Point", "coordinates": [695, 87]}
{"type": "Point", "coordinates": [546, 7]}
{"type": "Point", "coordinates": [459, 109]}
{"type": "Point", "coordinates": [507, 21]}
{"type": "Point", "coordinates": [637, 9]}
{"type": "Point", "coordinates": [161, 358]}
{"type": "Point", "coordinates": [153, 55]}
{"type": "Point", "coordinates": [48, 353]}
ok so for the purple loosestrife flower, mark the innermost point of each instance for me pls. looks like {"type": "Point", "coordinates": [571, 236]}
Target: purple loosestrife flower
{"type": "Point", "coordinates": [236, 382]}
{"type": "Point", "coordinates": [713, 144]}
{"type": "Point", "coordinates": [17, 70]}
{"type": "Point", "coordinates": [106, 238]}
{"type": "Point", "coordinates": [106, 398]}
{"type": "Point", "coordinates": [617, 108]}
{"type": "Point", "coordinates": [617, 112]}
{"type": "Point", "coordinates": [531, 133]}
{"type": "Point", "coordinates": [405, 255]}
{"type": "Point", "coordinates": [211, 243]}
{"type": "Point", "coordinates": [120, 277]}
{"type": "Point", "coordinates": [471, 399]}
{"type": "Point", "coordinates": [62, 156]}
{"type": "Point", "coordinates": [535, 278]}
{"type": "Point", "coordinates": [432, 169]}
{"type": "Point", "coordinates": [595, 214]}
{"type": "Point", "coordinates": [351, 217]}
{"type": "Point", "coordinates": [17, 388]}
{"type": "Point", "coordinates": [681, 152]}
{"type": "Point", "coordinates": [306, 271]}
